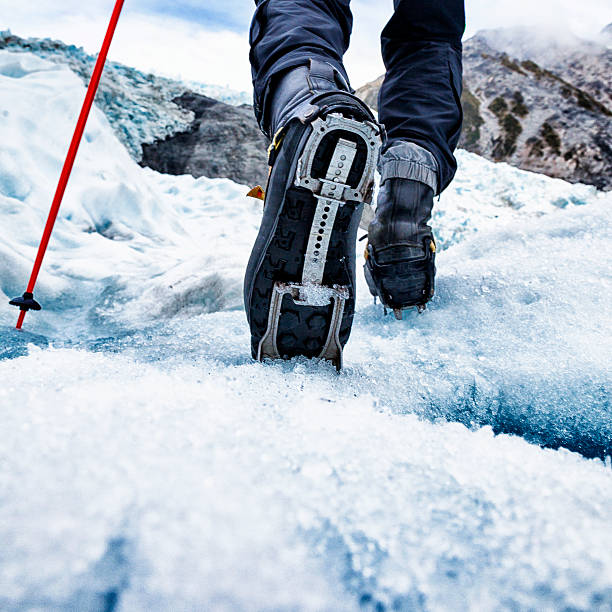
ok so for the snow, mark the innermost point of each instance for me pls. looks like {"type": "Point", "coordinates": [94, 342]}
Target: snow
{"type": "Point", "coordinates": [148, 463]}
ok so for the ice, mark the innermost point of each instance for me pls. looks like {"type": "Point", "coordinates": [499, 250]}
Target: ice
{"type": "Point", "coordinates": [242, 486]}
{"type": "Point", "coordinates": [147, 463]}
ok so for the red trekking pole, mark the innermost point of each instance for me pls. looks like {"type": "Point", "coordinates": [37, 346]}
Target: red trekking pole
{"type": "Point", "coordinates": [27, 301]}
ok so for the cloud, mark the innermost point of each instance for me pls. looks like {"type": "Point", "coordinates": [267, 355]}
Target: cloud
{"type": "Point", "coordinates": [173, 47]}
{"type": "Point", "coordinates": [213, 14]}
{"type": "Point", "coordinates": [162, 44]}
{"type": "Point", "coordinates": [585, 18]}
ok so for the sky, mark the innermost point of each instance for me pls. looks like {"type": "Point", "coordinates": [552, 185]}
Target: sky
{"type": "Point", "coordinates": [207, 40]}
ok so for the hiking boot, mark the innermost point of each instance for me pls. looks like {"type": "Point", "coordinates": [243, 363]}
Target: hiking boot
{"type": "Point", "coordinates": [299, 287]}
{"type": "Point", "coordinates": [400, 255]}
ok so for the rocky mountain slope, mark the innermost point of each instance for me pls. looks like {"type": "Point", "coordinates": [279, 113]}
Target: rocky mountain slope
{"type": "Point", "coordinates": [165, 124]}
{"type": "Point", "coordinates": [537, 102]}
{"type": "Point", "coordinates": [586, 64]}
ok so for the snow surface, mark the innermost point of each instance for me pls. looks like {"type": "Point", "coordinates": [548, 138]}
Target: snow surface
{"type": "Point", "coordinates": [148, 464]}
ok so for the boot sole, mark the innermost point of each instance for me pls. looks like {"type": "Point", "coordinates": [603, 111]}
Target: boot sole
{"type": "Point", "coordinates": [301, 299]}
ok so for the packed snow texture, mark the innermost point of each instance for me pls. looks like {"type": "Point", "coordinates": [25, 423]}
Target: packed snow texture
{"type": "Point", "coordinates": [147, 463]}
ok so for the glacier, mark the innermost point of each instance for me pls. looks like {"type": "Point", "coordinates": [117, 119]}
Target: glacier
{"type": "Point", "coordinates": [140, 107]}
{"type": "Point", "coordinates": [461, 461]}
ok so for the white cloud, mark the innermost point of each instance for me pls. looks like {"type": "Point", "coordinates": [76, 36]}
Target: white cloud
{"type": "Point", "coordinates": [178, 49]}
{"type": "Point", "coordinates": [585, 18]}
{"type": "Point", "coordinates": [160, 44]}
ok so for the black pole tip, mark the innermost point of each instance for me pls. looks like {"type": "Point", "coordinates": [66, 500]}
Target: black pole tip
{"type": "Point", "coordinates": [26, 302]}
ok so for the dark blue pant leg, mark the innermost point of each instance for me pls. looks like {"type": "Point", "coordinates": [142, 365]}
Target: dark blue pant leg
{"type": "Point", "coordinates": [287, 33]}
{"type": "Point", "coordinates": [420, 98]}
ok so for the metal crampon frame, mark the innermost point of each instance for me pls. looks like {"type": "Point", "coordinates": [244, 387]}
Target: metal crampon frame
{"type": "Point", "coordinates": [331, 193]}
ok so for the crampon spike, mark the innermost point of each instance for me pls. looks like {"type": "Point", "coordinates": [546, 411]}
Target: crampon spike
{"type": "Point", "coordinates": [27, 302]}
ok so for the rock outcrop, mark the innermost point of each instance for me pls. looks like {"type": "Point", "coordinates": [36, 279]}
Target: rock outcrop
{"type": "Point", "coordinates": [221, 141]}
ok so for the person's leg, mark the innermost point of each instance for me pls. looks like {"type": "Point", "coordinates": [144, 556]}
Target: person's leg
{"type": "Point", "coordinates": [420, 96]}
{"type": "Point", "coordinates": [286, 34]}
{"type": "Point", "coordinates": [420, 107]}
{"type": "Point", "coordinates": [299, 285]}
